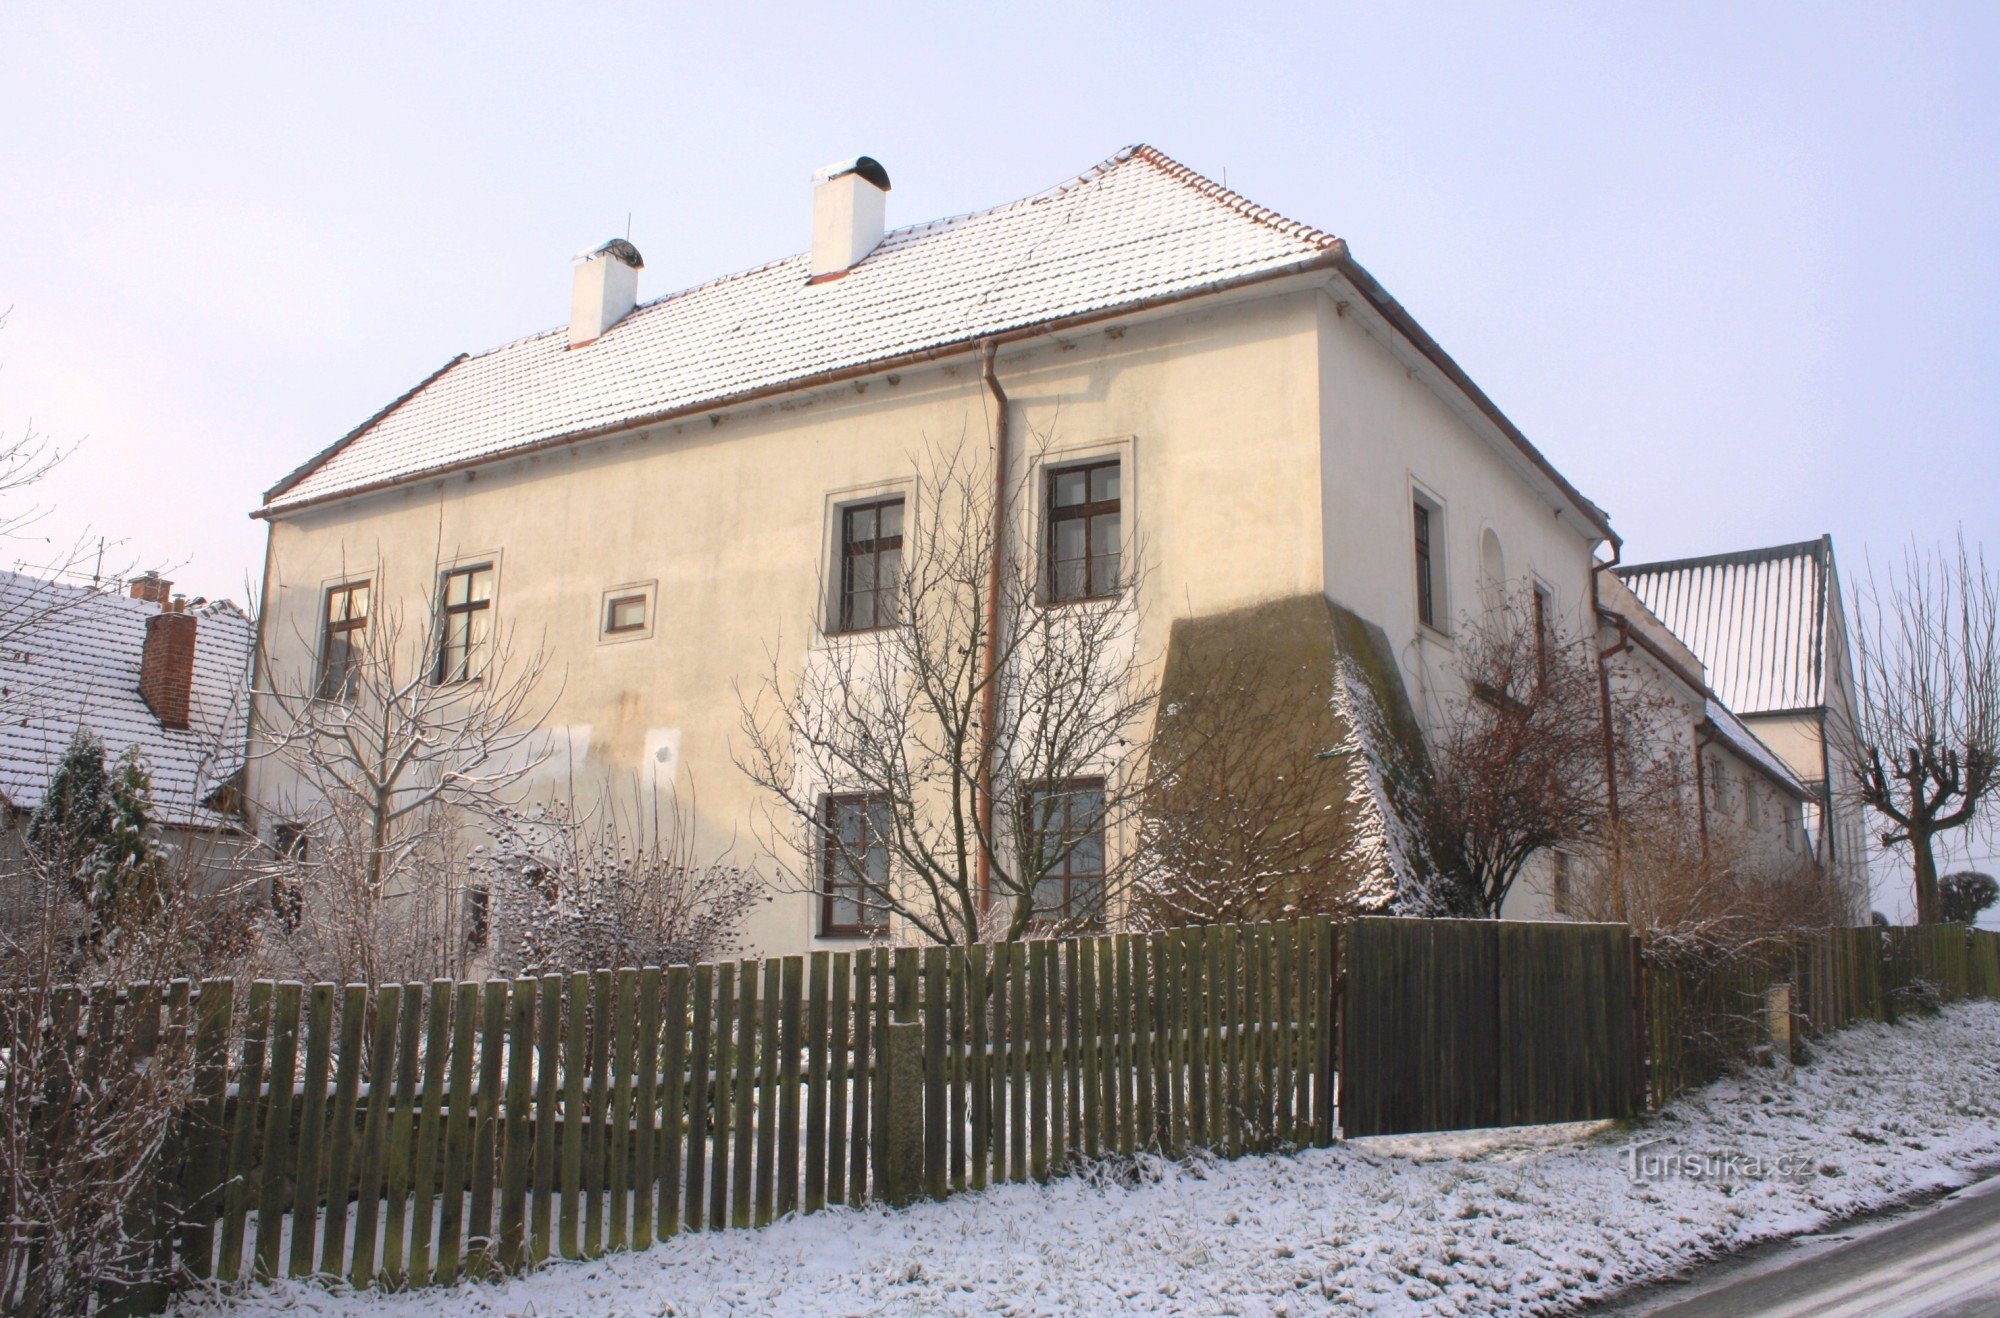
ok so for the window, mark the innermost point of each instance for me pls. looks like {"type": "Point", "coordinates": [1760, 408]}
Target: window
{"type": "Point", "coordinates": [871, 565]}
{"type": "Point", "coordinates": [466, 622]}
{"type": "Point", "coordinates": [343, 639]}
{"type": "Point", "coordinates": [1753, 804]}
{"type": "Point", "coordinates": [1085, 532]}
{"type": "Point", "coordinates": [1545, 630]}
{"type": "Point", "coordinates": [1423, 516]}
{"type": "Point", "coordinates": [288, 885]}
{"type": "Point", "coordinates": [1064, 832]}
{"type": "Point", "coordinates": [1717, 784]}
{"type": "Point", "coordinates": [625, 613]}
{"type": "Point", "coordinates": [1791, 827]}
{"type": "Point", "coordinates": [478, 918]}
{"type": "Point", "coordinates": [854, 867]}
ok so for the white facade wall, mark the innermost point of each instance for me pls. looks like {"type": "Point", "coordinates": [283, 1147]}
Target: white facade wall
{"type": "Point", "coordinates": [727, 521]}
{"type": "Point", "coordinates": [1393, 428]}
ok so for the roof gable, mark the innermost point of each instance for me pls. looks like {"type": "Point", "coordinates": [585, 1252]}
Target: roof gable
{"type": "Point", "coordinates": [1136, 228]}
{"type": "Point", "coordinates": [1756, 617]}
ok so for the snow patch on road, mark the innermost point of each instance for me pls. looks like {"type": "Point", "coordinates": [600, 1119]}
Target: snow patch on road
{"type": "Point", "coordinates": [1516, 1221]}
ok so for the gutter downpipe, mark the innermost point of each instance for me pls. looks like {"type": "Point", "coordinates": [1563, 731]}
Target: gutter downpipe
{"type": "Point", "coordinates": [989, 698]}
{"type": "Point", "coordinates": [1604, 655]}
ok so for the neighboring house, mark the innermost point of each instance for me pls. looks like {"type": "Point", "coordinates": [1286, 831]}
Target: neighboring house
{"type": "Point", "coordinates": [1770, 627]}
{"type": "Point", "coordinates": [1737, 787]}
{"type": "Point", "coordinates": [142, 670]}
{"type": "Point", "coordinates": [659, 491]}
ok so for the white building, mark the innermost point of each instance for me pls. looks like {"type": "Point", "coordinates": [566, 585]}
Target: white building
{"type": "Point", "coordinates": [663, 490]}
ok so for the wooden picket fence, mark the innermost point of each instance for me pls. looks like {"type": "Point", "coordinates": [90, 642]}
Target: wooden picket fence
{"type": "Point", "coordinates": [1702, 1013]}
{"type": "Point", "coordinates": [417, 1134]}
{"type": "Point", "coordinates": [413, 1134]}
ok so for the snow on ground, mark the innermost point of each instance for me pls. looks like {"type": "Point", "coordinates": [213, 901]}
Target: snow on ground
{"type": "Point", "coordinates": [1518, 1221]}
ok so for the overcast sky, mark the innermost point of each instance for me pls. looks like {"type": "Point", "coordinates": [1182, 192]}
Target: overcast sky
{"type": "Point", "coordinates": [1735, 268]}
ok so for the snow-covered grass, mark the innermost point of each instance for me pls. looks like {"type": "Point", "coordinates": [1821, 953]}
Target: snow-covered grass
{"type": "Point", "coordinates": [1518, 1221]}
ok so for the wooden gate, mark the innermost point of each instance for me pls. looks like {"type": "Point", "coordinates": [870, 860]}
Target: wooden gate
{"type": "Point", "coordinates": [1464, 1024]}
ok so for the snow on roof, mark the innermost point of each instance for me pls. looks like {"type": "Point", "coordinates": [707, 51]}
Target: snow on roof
{"type": "Point", "coordinates": [1756, 617]}
{"type": "Point", "coordinates": [70, 659]}
{"type": "Point", "coordinates": [1751, 747]}
{"type": "Point", "coordinates": [1138, 227]}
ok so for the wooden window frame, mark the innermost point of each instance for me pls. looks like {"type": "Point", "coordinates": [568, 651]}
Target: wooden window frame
{"type": "Point", "coordinates": [1068, 788]}
{"type": "Point", "coordinates": [1545, 627]}
{"type": "Point", "coordinates": [833, 856]}
{"type": "Point", "coordinates": [877, 548]}
{"type": "Point", "coordinates": [645, 603]}
{"type": "Point", "coordinates": [288, 893]}
{"type": "Point", "coordinates": [1087, 512]}
{"type": "Point", "coordinates": [478, 917]}
{"type": "Point", "coordinates": [1425, 519]}
{"type": "Point", "coordinates": [347, 625]}
{"type": "Point", "coordinates": [447, 611]}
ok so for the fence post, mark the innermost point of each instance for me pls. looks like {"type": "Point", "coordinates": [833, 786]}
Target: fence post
{"type": "Point", "coordinates": [900, 1120]}
{"type": "Point", "coordinates": [1642, 1027]}
{"type": "Point", "coordinates": [1777, 1024]}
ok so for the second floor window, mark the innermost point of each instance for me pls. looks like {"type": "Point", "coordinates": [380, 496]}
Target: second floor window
{"type": "Point", "coordinates": [871, 564]}
{"type": "Point", "coordinates": [1426, 583]}
{"type": "Point", "coordinates": [343, 640]}
{"type": "Point", "coordinates": [854, 867]}
{"type": "Point", "coordinates": [465, 623]}
{"type": "Point", "coordinates": [1086, 532]}
{"type": "Point", "coordinates": [1064, 832]}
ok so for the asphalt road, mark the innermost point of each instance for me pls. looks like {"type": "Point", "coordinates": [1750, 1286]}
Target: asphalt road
{"type": "Point", "coordinates": [1940, 1260]}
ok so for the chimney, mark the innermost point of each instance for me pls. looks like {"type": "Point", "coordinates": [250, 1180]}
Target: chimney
{"type": "Point", "coordinates": [151, 587]}
{"type": "Point", "coordinates": [606, 288]}
{"type": "Point", "coordinates": [847, 214]}
{"type": "Point", "coordinates": [166, 664]}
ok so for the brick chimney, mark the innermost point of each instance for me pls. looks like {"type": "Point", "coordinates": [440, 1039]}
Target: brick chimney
{"type": "Point", "coordinates": [151, 587]}
{"type": "Point", "coordinates": [166, 664]}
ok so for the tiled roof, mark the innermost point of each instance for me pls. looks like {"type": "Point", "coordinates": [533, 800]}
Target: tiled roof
{"type": "Point", "coordinates": [1137, 228]}
{"type": "Point", "coordinates": [71, 659]}
{"type": "Point", "coordinates": [1757, 618]}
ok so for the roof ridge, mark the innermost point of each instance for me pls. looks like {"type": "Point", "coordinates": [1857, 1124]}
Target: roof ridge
{"type": "Point", "coordinates": [1730, 558]}
{"type": "Point", "coordinates": [909, 230]}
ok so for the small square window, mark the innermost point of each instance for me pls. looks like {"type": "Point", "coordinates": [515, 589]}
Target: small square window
{"type": "Point", "coordinates": [626, 612]}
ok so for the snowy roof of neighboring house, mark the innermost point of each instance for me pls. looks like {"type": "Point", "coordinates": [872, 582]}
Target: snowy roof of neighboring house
{"type": "Point", "coordinates": [1756, 617]}
{"type": "Point", "coordinates": [1137, 230]}
{"type": "Point", "coordinates": [1751, 747]}
{"type": "Point", "coordinates": [69, 659]}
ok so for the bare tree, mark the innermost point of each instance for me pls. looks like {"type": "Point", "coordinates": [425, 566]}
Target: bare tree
{"type": "Point", "coordinates": [395, 745]}
{"type": "Point", "coordinates": [1516, 764]}
{"type": "Point", "coordinates": [1927, 668]}
{"type": "Point", "coordinates": [1714, 886]}
{"type": "Point", "coordinates": [621, 882]}
{"type": "Point", "coordinates": [94, 1084]}
{"type": "Point", "coordinates": [965, 766]}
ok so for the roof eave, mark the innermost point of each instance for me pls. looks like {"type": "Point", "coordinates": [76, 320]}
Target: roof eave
{"type": "Point", "coordinates": [1397, 315]}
